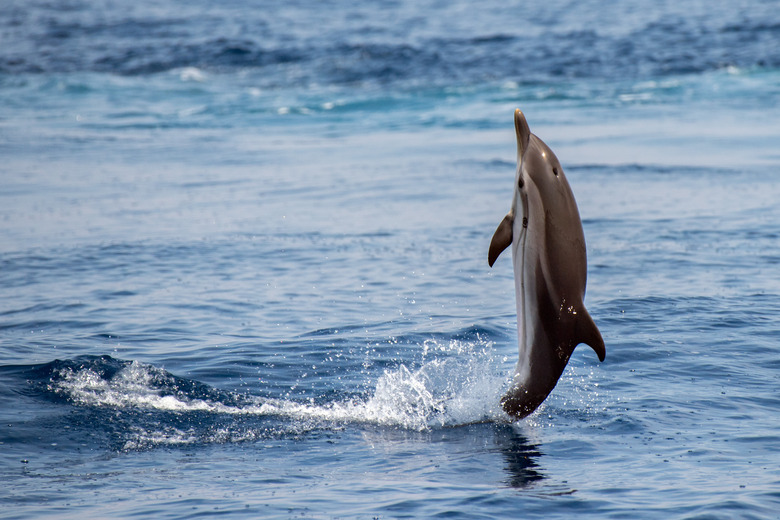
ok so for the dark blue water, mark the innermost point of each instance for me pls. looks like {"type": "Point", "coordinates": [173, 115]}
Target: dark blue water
{"type": "Point", "coordinates": [243, 259]}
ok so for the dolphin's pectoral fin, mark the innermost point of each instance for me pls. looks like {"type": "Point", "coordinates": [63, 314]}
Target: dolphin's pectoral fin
{"type": "Point", "coordinates": [501, 238]}
{"type": "Point", "coordinates": [588, 333]}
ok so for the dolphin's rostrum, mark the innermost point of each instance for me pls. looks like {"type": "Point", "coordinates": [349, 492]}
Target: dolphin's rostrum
{"type": "Point", "coordinates": [548, 251]}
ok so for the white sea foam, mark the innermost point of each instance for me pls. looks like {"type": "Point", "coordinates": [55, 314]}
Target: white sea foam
{"type": "Point", "coordinates": [191, 74]}
{"type": "Point", "coordinates": [460, 385]}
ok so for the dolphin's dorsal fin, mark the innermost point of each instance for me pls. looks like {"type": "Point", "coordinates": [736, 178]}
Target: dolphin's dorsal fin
{"type": "Point", "coordinates": [587, 332]}
{"type": "Point", "coordinates": [501, 238]}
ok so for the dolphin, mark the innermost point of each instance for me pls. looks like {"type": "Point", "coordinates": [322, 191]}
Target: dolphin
{"type": "Point", "coordinates": [548, 251]}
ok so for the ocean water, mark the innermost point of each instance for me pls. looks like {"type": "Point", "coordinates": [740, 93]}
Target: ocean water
{"type": "Point", "coordinates": [243, 258]}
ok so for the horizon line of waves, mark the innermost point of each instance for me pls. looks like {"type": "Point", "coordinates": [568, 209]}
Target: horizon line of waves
{"type": "Point", "coordinates": [576, 53]}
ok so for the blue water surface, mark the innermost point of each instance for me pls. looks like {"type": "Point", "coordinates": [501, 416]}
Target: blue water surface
{"type": "Point", "coordinates": [243, 259]}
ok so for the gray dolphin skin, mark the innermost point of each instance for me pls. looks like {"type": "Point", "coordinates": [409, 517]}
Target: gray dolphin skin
{"type": "Point", "coordinates": [548, 251]}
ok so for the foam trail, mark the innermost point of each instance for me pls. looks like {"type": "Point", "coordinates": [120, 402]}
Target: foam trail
{"type": "Point", "coordinates": [461, 387]}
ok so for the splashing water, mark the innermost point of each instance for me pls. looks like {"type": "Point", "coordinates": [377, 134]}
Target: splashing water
{"type": "Point", "coordinates": [460, 385]}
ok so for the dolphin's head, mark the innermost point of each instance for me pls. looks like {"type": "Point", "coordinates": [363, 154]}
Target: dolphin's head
{"type": "Point", "coordinates": [538, 169]}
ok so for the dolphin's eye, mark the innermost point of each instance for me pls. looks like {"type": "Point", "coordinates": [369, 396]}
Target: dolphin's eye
{"type": "Point", "coordinates": [555, 171]}
{"type": "Point", "coordinates": [520, 182]}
